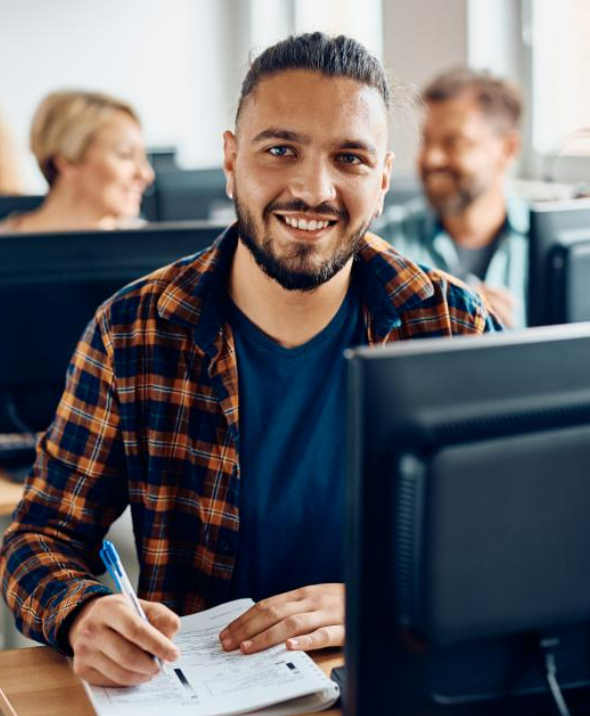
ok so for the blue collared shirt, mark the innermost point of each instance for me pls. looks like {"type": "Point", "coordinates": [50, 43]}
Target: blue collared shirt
{"type": "Point", "coordinates": [417, 232]}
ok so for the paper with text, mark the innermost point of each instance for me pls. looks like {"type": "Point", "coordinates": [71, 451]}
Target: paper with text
{"type": "Point", "coordinates": [206, 681]}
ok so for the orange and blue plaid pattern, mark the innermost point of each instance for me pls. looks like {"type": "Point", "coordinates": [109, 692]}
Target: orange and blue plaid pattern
{"type": "Point", "coordinates": [149, 417]}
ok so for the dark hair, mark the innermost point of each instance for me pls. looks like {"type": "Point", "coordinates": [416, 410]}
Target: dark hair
{"type": "Point", "coordinates": [331, 56]}
{"type": "Point", "coordinates": [498, 99]}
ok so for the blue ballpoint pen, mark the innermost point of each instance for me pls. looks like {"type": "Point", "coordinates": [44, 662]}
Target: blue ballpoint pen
{"type": "Point", "coordinates": [113, 563]}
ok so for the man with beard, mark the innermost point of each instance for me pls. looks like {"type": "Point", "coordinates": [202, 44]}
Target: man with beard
{"type": "Point", "coordinates": [211, 394]}
{"type": "Point", "coordinates": [471, 230]}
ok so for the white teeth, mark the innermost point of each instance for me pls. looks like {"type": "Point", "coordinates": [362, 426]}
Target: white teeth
{"type": "Point", "coordinates": [312, 225]}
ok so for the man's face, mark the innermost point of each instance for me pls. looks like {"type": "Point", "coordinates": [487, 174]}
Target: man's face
{"type": "Point", "coordinates": [308, 169]}
{"type": "Point", "coordinates": [463, 155]}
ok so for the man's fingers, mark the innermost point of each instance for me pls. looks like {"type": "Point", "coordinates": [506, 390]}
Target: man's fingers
{"type": "Point", "coordinates": [500, 294]}
{"type": "Point", "coordinates": [502, 302]}
{"type": "Point", "coordinates": [291, 626]}
{"type": "Point", "coordinates": [260, 617]}
{"type": "Point", "coordinates": [503, 313]}
{"type": "Point", "coordinates": [127, 655]}
{"type": "Point", "coordinates": [162, 618]}
{"type": "Point", "coordinates": [144, 635]}
{"type": "Point", "coordinates": [92, 676]}
{"type": "Point", "coordinates": [320, 639]}
{"type": "Point", "coordinates": [99, 669]}
{"type": "Point", "coordinates": [297, 613]}
{"type": "Point", "coordinates": [116, 673]}
{"type": "Point", "coordinates": [113, 645]}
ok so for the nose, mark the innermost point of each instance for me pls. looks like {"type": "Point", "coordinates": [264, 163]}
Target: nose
{"type": "Point", "coordinates": [144, 171]}
{"type": "Point", "coordinates": [313, 181]}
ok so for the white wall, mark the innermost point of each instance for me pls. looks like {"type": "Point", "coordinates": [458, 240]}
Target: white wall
{"type": "Point", "coordinates": [171, 58]}
{"type": "Point", "coordinates": [181, 62]}
{"type": "Point", "coordinates": [421, 38]}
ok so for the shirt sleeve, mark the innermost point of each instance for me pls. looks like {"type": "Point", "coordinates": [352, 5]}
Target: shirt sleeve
{"type": "Point", "coordinates": [49, 558]}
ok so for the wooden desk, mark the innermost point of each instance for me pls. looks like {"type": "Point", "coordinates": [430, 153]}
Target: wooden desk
{"type": "Point", "coordinates": [10, 494]}
{"type": "Point", "coordinates": [39, 682]}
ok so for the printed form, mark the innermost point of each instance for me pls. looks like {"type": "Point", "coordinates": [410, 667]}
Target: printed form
{"type": "Point", "coordinates": [207, 681]}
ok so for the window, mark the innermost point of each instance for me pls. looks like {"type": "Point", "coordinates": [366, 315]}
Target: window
{"type": "Point", "coordinates": [559, 35]}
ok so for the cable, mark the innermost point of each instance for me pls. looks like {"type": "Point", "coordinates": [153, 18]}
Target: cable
{"type": "Point", "coordinates": [550, 668]}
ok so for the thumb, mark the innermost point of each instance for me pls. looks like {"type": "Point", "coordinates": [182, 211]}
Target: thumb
{"type": "Point", "coordinates": [162, 618]}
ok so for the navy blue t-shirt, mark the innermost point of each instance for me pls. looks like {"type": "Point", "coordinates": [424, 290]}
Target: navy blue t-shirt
{"type": "Point", "coordinates": [292, 455]}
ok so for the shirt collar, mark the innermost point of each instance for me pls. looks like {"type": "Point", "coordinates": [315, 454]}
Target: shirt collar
{"type": "Point", "coordinates": [197, 295]}
{"type": "Point", "coordinates": [517, 219]}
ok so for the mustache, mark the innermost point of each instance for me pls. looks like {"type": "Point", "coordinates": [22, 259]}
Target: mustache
{"type": "Point", "coordinates": [325, 209]}
{"type": "Point", "coordinates": [433, 172]}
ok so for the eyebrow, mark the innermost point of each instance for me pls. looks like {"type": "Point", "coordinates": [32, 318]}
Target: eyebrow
{"type": "Point", "coordinates": [290, 136]}
{"type": "Point", "coordinates": [285, 134]}
{"type": "Point", "coordinates": [363, 146]}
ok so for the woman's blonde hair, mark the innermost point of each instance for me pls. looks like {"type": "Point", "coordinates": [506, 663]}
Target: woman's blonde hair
{"type": "Point", "coordinates": [10, 177]}
{"type": "Point", "coordinates": [66, 122]}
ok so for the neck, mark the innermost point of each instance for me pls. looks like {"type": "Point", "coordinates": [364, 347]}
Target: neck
{"type": "Point", "coordinates": [480, 223]}
{"type": "Point", "coordinates": [64, 208]}
{"type": "Point", "coordinates": [289, 317]}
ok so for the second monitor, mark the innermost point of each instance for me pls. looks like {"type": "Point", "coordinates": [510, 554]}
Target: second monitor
{"type": "Point", "coordinates": [50, 286]}
{"type": "Point", "coordinates": [559, 258]}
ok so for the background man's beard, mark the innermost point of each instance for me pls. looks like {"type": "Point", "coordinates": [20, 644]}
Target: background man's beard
{"type": "Point", "coordinates": [294, 271]}
{"type": "Point", "coordinates": [455, 202]}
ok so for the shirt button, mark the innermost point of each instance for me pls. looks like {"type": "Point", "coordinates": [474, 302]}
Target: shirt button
{"type": "Point", "coordinates": [224, 546]}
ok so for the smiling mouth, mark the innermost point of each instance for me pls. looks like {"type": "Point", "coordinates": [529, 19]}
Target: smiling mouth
{"type": "Point", "coordinates": [306, 226]}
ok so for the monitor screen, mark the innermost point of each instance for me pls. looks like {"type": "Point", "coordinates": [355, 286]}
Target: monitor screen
{"type": "Point", "coordinates": [16, 204]}
{"type": "Point", "coordinates": [559, 253]}
{"type": "Point", "coordinates": [468, 579]}
{"type": "Point", "coordinates": [183, 194]}
{"type": "Point", "coordinates": [50, 286]}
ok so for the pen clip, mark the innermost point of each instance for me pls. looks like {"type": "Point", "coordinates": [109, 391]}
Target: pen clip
{"type": "Point", "coordinates": [110, 559]}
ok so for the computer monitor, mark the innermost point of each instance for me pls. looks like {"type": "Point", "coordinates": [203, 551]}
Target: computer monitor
{"type": "Point", "coordinates": [184, 195]}
{"type": "Point", "coordinates": [559, 252]}
{"type": "Point", "coordinates": [50, 286]}
{"type": "Point", "coordinates": [15, 204]}
{"type": "Point", "coordinates": [468, 569]}
{"type": "Point", "coordinates": [10, 204]}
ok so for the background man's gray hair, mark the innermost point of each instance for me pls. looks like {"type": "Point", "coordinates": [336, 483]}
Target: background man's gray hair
{"type": "Point", "coordinates": [498, 99]}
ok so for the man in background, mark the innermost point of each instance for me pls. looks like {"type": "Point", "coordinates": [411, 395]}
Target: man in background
{"type": "Point", "coordinates": [468, 227]}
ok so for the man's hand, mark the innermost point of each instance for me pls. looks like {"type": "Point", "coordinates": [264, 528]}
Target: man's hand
{"type": "Point", "coordinates": [114, 647]}
{"type": "Point", "coordinates": [501, 301]}
{"type": "Point", "coordinates": [306, 619]}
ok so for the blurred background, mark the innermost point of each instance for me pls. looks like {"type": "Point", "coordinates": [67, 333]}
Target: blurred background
{"type": "Point", "coordinates": [180, 62]}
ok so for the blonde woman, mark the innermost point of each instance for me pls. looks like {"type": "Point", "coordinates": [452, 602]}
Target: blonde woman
{"type": "Point", "coordinates": [90, 149]}
{"type": "Point", "coordinates": [10, 177]}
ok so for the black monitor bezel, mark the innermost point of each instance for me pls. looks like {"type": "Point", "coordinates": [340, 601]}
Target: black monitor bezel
{"type": "Point", "coordinates": [95, 264]}
{"type": "Point", "coordinates": [555, 226]}
{"type": "Point", "coordinates": [400, 394]}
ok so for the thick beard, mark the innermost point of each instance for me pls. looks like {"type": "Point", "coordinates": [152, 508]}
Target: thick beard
{"type": "Point", "coordinates": [293, 271]}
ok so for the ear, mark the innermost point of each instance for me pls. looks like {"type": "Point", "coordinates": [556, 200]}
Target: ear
{"type": "Point", "coordinates": [230, 153]}
{"type": "Point", "coordinates": [64, 167]}
{"type": "Point", "coordinates": [385, 183]}
{"type": "Point", "coordinates": [512, 146]}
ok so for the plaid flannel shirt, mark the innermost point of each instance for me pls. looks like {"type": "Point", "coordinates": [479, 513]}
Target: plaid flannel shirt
{"type": "Point", "coordinates": [149, 417]}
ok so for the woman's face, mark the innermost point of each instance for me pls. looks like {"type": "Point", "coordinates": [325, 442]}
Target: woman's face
{"type": "Point", "coordinates": [114, 171]}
